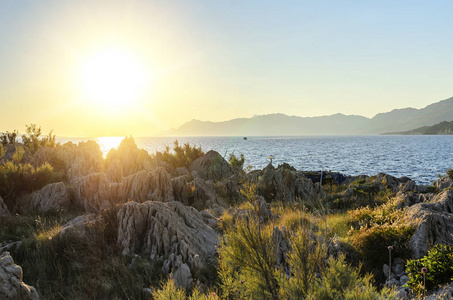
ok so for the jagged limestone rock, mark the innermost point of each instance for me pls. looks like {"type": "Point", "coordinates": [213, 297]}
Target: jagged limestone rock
{"type": "Point", "coordinates": [204, 196]}
{"type": "Point", "coordinates": [11, 284]}
{"type": "Point", "coordinates": [170, 230]}
{"type": "Point", "coordinates": [53, 196]}
{"type": "Point", "coordinates": [433, 221]}
{"type": "Point", "coordinates": [212, 166]}
{"type": "Point", "coordinates": [283, 184]}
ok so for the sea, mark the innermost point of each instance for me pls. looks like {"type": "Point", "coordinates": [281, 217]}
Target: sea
{"type": "Point", "coordinates": [419, 157]}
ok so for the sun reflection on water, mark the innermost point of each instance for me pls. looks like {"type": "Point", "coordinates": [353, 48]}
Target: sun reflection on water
{"type": "Point", "coordinates": [108, 142]}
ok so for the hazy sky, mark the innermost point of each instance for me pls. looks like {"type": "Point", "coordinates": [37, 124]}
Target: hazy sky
{"type": "Point", "coordinates": [96, 68]}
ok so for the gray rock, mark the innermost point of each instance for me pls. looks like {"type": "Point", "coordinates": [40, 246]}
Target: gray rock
{"type": "Point", "coordinates": [433, 221]}
{"type": "Point", "coordinates": [11, 284]}
{"type": "Point", "coordinates": [443, 183]}
{"type": "Point", "coordinates": [404, 279]}
{"type": "Point", "coordinates": [53, 196]}
{"type": "Point", "coordinates": [283, 184]}
{"type": "Point", "coordinates": [386, 270]}
{"type": "Point", "coordinates": [212, 166]}
{"type": "Point", "coordinates": [203, 196]}
{"type": "Point", "coordinates": [3, 209]}
{"type": "Point", "coordinates": [163, 229]}
{"type": "Point", "coordinates": [402, 294]}
{"type": "Point", "coordinates": [398, 267]}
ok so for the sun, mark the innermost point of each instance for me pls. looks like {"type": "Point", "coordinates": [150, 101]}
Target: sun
{"type": "Point", "coordinates": [113, 79]}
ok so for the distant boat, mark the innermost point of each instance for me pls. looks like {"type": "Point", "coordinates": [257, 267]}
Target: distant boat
{"type": "Point", "coordinates": [245, 138]}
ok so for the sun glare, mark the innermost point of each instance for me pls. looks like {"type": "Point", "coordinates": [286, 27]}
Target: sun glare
{"type": "Point", "coordinates": [113, 79]}
{"type": "Point", "coordinates": [106, 143]}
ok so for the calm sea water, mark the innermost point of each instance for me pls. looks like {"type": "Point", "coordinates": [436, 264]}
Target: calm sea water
{"type": "Point", "coordinates": [418, 157]}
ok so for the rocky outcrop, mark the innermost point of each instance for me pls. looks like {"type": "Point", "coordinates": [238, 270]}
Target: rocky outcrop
{"type": "Point", "coordinates": [181, 189]}
{"type": "Point", "coordinates": [211, 166]}
{"type": "Point", "coordinates": [11, 284]}
{"type": "Point", "coordinates": [81, 160]}
{"type": "Point", "coordinates": [51, 197]}
{"type": "Point", "coordinates": [443, 183]}
{"type": "Point", "coordinates": [204, 196]}
{"type": "Point", "coordinates": [433, 221]}
{"type": "Point", "coordinates": [283, 184]}
{"type": "Point", "coordinates": [96, 192]}
{"type": "Point", "coordinates": [403, 184]}
{"type": "Point", "coordinates": [3, 209]}
{"type": "Point", "coordinates": [167, 230]}
{"type": "Point", "coordinates": [129, 158]}
{"type": "Point", "coordinates": [410, 198]}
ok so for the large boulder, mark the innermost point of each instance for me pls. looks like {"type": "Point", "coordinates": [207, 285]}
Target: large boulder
{"type": "Point", "coordinates": [53, 196]}
{"type": "Point", "coordinates": [11, 284]}
{"type": "Point", "coordinates": [212, 166]}
{"type": "Point", "coordinates": [284, 184]}
{"type": "Point", "coordinates": [433, 222]}
{"type": "Point", "coordinates": [3, 209]}
{"type": "Point", "coordinates": [170, 231]}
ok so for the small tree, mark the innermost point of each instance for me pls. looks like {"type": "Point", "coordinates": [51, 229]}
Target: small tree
{"type": "Point", "coordinates": [237, 163]}
{"type": "Point", "coordinates": [9, 137]}
{"type": "Point", "coordinates": [32, 141]}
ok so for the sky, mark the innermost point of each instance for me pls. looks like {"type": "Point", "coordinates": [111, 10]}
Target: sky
{"type": "Point", "coordinates": [116, 68]}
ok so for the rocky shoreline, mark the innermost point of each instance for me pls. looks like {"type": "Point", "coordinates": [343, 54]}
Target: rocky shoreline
{"type": "Point", "coordinates": [172, 214]}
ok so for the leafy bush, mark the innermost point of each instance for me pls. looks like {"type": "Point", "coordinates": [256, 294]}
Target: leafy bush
{"type": "Point", "coordinates": [181, 156]}
{"type": "Point", "coordinates": [170, 291]}
{"type": "Point", "coordinates": [17, 178]}
{"type": "Point", "coordinates": [31, 139]}
{"type": "Point", "coordinates": [247, 261]}
{"type": "Point", "coordinates": [372, 244]}
{"type": "Point", "coordinates": [237, 163]}
{"type": "Point", "coordinates": [9, 137]}
{"type": "Point", "coordinates": [342, 281]}
{"type": "Point", "coordinates": [439, 265]}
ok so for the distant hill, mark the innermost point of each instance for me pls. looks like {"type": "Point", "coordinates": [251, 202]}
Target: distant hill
{"type": "Point", "coordinates": [397, 120]}
{"type": "Point", "coordinates": [442, 128]}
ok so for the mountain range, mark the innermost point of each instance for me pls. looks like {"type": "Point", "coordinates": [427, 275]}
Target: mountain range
{"type": "Point", "coordinates": [397, 120]}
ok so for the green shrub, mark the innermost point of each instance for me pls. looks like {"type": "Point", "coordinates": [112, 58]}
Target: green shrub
{"type": "Point", "coordinates": [372, 244]}
{"type": "Point", "coordinates": [439, 264]}
{"type": "Point", "coordinates": [17, 179]}
{"type": "Point", "coordinates": [237, 163]}
{"type": "Point", "coordinates": [9, 137]}
{"type": "Point", "coordinates": [305, 260]}
{"type": "Point", "coordinates": [342, 281]}
{"type": "Point", "coordinates": [247, 262]}
{"type": "Point", "coordinates": [181, 156]}
{"type": "Point", "coordinates": [31, 139]}
{"type": "Point", "coordinates": [169, 291]}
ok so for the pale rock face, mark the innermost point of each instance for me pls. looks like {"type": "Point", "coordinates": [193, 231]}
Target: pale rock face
{"type": "Point", "coordinates": [11, 284]}
{"type": "Point", "coordinates": [3, 209]}
{"type": "Point", "coordinates": [204, 197]}
{"type": "Point", "coordinates": [51, 197]}
{"type": "Point", "coordinates": [130, 159]}
{"type": "Point", "coordinates": [170, 230]}
{"type": "Point", "coordinates": [181, 189]}
{"type": "Point", "coordinates": [282, 184]}
{"type": "Point", "coordinates": [443, 183]}
{"type": "Point", "coordinates": [212, 166]}
{"type": "Point", "coordinates": [433, 221]}
{"type": "Point", "coordinates": [96, 192]}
